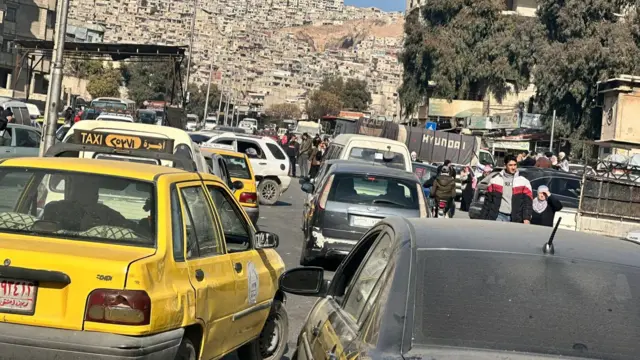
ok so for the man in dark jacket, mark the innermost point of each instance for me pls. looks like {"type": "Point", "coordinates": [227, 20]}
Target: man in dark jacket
{"type": "Point", "coordinates": [509, 197]}
{"type": "Point", "coordinates": [444, 189]}
{"type": "Point", "coordinates": [306, 147]}
{"type": "Point", "coordinates": [293, 149]}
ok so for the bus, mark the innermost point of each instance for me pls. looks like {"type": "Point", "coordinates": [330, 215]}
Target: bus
{"type": "Point", "coordinates": [114, 103]}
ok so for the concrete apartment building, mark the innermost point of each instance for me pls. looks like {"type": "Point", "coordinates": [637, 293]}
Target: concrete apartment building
{"type": "Point", "coordinates": [256, 46]}
{"type": "Point", "coordinates": [24, 20]}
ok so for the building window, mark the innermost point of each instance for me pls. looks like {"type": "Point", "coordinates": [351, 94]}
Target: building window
{"type": "Point", "coordinates": [10, 15]}
{"type": "Point", "coordinates": [51, 19]}
{"type": "Point", "coordinates": [7, 45]}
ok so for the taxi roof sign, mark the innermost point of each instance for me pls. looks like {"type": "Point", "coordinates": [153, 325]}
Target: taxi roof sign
{"type": "Point", "coordinates": [123, 141]}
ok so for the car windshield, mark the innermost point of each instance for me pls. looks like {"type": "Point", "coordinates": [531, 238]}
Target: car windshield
{"type": "Point", "coordinates": [237, 166]}
{"type": "Point", "coordinates": [147, 117]}
{"type": "Point", "coordinates": [77, 206]}
{"type": "Point", "coordinates": [108, 104]}
{"type": "Point", "coordinates": [423, 172]}
{"type": "Point", "coordinates": [377, 156]}
{"type": "Point", "coordinates": [376, 190]}
{"type": "Point", "coordinates": [527, 303]}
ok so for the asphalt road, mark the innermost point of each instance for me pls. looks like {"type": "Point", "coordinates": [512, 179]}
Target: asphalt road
{"type": "Point", "coordinates": [284, 219]}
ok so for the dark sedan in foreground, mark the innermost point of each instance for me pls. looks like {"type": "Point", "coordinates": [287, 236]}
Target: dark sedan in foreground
{"type": "Point", "coordinates": [470, 289]}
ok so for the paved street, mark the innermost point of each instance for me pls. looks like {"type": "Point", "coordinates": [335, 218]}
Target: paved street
{"type": "Point", "coordinates": [284, 219]}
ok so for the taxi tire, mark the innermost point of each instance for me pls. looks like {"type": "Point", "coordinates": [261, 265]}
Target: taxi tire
{"type": "Point", "coordinates": [251, 350]}
{"type": "Point", "coordinates": [261, 187]}
{"type": "Point", "coordinates": [186, 351]}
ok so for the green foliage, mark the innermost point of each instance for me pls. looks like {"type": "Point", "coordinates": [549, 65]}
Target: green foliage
{"type": "Point", "coordinates": [83, 68]}
{"type": "Point", "coordinates": [283, 111]}
{"type": "Point", "coordinates": [585, 42]}
{"type": "Point", "coordinates": [104, 82]}
{"type": "Point", "coordinates": [198, 99]}
{"type": "Point", "coordinates": [151, 81]}
{"type": "Point", "coordinates": [466, 47]}
{"type": "Point", "coordinates": [323, 103]}
{"type": "Point", "coordinates": [353, 93]}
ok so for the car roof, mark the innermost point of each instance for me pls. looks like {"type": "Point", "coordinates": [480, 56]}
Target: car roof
{"type": "Point", "coordinates": [146, 172]}
{"type": "Point", "coordinates": [535, 171]}
{"type": "Point", "coordinates": [206, 150]}
{"type": "Point", "coordinates": [20, 126]}
{"type": "Point", "coordinates": [499, 237]}
{"type": "Point", "coordinates": [245, 136]}
{"type": "Point", "coordinates": [349, 166]}
{"type": "Point", "coordinates": [345, 138]}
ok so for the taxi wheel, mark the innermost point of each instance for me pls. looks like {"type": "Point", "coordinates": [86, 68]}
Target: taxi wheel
{"type": "Point", "coordinates": [186, 351]}
{"type": "Point", "coordinates": [272, 342]}
{"type": "Point", "coordinates": [269, 192]}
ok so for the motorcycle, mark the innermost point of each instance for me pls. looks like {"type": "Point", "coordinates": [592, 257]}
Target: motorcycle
{"type": "Point", "coordinates": [442, 207]}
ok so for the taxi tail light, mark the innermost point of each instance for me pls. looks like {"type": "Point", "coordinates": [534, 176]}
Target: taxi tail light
{"type": "Point", "coordinates": [248, 197]}
{"type": "Point", "coordinates": [324, 196]}
{"type": "Point", "coordinates": [123, 307]}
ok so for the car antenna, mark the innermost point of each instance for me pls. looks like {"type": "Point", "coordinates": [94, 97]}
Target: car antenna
{"type": "Point", "coordinates": [548, 246]}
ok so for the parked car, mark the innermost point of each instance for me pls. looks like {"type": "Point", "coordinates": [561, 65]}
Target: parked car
{"type": "Point", "coordinates": [564, 186]}
{"type": "Point", "coordinates": [349, 199]}
{"type": "Point", "coordinates": [424, 171]}
{"type": "Point", "coordinates": [123, 260]}
{"type": "Point", "coordinates": [463, 289]}
{"type": "Point", "coordinates": [19, 141]}
{"type": "Point", "coordinates": [271, 165]}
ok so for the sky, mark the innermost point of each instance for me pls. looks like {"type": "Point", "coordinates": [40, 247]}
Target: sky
{"type": "Point", "coordinates": [387, 5]}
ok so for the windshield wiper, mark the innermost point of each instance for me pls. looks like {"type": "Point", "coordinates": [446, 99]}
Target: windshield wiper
{"type": "Point", "coordinates": [376, 201]}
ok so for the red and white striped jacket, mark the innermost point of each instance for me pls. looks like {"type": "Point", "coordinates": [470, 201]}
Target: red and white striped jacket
{"type": "Point", "coordinates": [521, 198]}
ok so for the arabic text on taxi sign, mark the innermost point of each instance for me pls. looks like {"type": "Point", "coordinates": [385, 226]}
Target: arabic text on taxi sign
{"type": "Point", "coordinates": [124, 141]}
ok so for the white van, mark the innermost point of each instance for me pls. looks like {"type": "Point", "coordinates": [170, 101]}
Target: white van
{"type": "Point", "coordinates": [369, 149]}
{"type": "Point", "coordinates": [135, 136]}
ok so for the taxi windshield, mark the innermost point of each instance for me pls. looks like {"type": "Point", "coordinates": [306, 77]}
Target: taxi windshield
{"type": "Point", "coordinates": [77, 206]}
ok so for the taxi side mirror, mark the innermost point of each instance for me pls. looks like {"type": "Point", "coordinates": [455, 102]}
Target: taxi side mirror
{"type": "Point", "coordinates": [304, 281]}
{"type": "Point", "coordinates": [237, 185]}
{"type": "Point", "coordinates": [266, 240]}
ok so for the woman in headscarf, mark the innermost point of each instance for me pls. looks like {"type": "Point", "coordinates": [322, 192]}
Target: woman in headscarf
{"type": "Point", "coordinates": [469, 182]}
{"type": "Point", "coordinates": [545, 207]}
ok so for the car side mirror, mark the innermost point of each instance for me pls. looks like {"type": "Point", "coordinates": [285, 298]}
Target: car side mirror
{"type": "Point", "coordinates": [304, 281]}
{"type": "Point", "coordinates": [266, 240]}
{"type": "Point", "coordinates": [237, 185]}
{"type": "Point", "coordinates": [307, 187]}
{"type": "Point", "coordinates": [304, 179]}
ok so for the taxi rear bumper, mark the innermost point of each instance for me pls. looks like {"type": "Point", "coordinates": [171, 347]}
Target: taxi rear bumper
{"type": "Point", "coordinates": [33, 342]}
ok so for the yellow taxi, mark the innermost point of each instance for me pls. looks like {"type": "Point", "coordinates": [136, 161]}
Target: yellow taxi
{"type": "Point", "coordinates": [240, 169]}
{"type": "Point", "coordinates": [105, 259]}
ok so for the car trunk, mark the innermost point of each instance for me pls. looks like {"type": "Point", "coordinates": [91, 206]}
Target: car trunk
{"type": "Point", "coordinates": [46, 282]}
{"type": "Point", "coordinates": [350, 221]}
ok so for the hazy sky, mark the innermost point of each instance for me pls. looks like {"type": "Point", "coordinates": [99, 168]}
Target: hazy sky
{"type": "Point", "coordinates": [387, 5]}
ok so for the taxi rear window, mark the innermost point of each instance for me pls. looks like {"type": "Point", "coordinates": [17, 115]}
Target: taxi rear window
{"type": "Point", "coordinates": [527, 303]}
{"type": "Point", "coordinates": [238, 167]}
{"type": "Point", "coordinates": [77, 206]}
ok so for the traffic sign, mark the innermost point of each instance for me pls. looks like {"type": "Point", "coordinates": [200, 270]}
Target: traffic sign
{"type": "Point", "coordinates": [431, 126]}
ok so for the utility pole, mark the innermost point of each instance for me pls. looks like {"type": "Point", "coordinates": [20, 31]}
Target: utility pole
{"type": "Point", "coordinates": [55, 83]}
{"type": "Point", "coordinates": [206, 102]}
{"type": "Point", "coordinates": [226, 109]}
{"type": "Point", "coordinates": [193, 28]}
{"type": "Point", "coordinates": [553, 128]}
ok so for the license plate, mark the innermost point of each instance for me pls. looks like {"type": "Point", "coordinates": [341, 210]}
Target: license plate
{"type": "Point", "coordinates": [362, 221]}
{"type": "Point", "coordinates": [17, 296]}
{"type": "Point", "coordinates": [481, 199]}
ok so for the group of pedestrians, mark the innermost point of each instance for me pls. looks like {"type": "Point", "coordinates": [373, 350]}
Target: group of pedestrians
{"type": "Point", "coordinates": [306, 152]}
{"type": "Point", "coordinates": [544, 160]}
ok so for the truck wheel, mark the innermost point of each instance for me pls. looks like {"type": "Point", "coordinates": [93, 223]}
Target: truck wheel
{"type": "Point", "coordinates": [272, 342]}
{"type": "Point", "coordinates": [186, 351]}
{"type": "Point", "coordinates": [268, 191]}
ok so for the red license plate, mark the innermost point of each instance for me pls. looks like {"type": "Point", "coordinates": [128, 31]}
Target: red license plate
{"type": "Point", "coordinates": [17, 296]}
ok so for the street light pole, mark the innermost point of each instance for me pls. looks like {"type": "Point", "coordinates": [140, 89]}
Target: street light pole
{"type": "Point", "coordinates": [55, 82]}
{"type": "Point", "coordinates": [553, 128]}
{"type": "Point", "coordinates": [206, 102]}
{"type": "Point", "coordinates": [193, 28]}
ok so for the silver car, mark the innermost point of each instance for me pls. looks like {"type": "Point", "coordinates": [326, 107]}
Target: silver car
{"type": "Point", "coordinates": [348, 200]}
{"type": "Point", "coordinates": [19, 141]}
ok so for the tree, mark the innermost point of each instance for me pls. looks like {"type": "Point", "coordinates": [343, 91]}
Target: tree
{"type": "Point", "coordinates": [198, 98]}
{"type": "Point", "coordinates": [585, 42]}
{"type": "Point", "coordinates": [83, 68]}
{"type": "Point", "coordinates": [323, 103]}
{"type": "Point", "coordinates": [353, 93]}
{"type": "Point", "coordinates": [151, 81]}
{"type": "Point", "coordinates": [105, 83]}
{"type": "Point", "coordinates": [468, 49]}
{"type": "Point", "coordinates": [283, 111]}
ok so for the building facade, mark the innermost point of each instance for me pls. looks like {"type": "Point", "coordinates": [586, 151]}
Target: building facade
{"type": "Point", "coordinates": [24, 20]}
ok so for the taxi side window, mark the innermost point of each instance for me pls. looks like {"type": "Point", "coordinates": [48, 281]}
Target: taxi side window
{"type": "Point", "coordinates": [234, 225]}
{"type": "Point", "coordinates": [177, 229]}
{"type": "Point", "coordinates": [203, 239]}
{"type": "Point", "coordinates": [5, 140]}
{"type": "Point", "coordinates": [363, 289]}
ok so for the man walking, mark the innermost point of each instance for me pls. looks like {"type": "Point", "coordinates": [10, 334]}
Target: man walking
{"type": "Point", "coordinates": [305, 154]}
{"type": "Point", "coordinates": [509, 197]}
{"type": "Point", "coordinates": [292, 151]}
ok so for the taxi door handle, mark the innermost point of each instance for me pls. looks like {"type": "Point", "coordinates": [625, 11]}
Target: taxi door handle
{"type": "Point", "coordinates": [262, 163]}
{"type": "Point", "coordinates": [199, 275]}
{"type": "Point", "coordinates": [238, 267]}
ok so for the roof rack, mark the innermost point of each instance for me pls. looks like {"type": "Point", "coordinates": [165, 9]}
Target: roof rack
{"type": "Point", "coordinates": [180, 162]}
